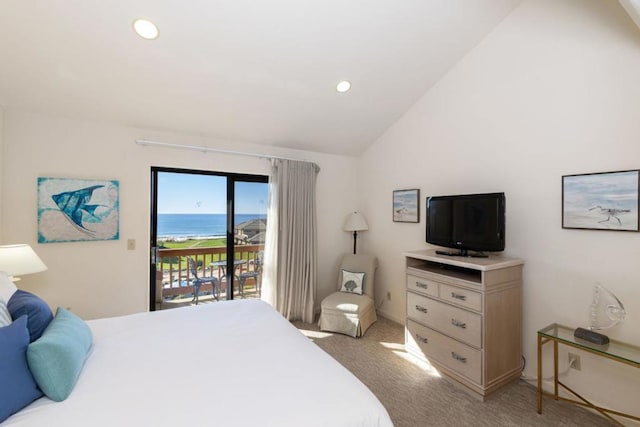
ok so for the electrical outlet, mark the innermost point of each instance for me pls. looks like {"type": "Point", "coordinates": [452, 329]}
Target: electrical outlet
{"type": "Point", "coordinates": [388, 296]}
{"type": "Point", "coordinates": [576, 361]}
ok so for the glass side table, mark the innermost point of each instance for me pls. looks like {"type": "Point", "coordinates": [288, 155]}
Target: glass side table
{"type": "Point", "coordinates": [615, 350]}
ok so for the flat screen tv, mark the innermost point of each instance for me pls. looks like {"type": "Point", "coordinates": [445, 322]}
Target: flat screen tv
{"type": "Point", "coordinates": [466, 222]}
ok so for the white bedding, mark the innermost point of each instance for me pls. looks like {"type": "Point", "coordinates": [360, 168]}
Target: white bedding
{"type": "Point", "coordinates": [235, 363]}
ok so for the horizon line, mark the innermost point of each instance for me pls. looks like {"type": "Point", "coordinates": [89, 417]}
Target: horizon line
{"type": "Point", "coordinates": [208, 213]}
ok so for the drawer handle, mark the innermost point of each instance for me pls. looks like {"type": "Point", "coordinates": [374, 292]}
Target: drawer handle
{"type": "Point", "coordinates": [458, 296]}
{"type": "Point", "coordinates": [459, 358]}
{"type": "Point", "coordinates": [421, 308]}
{"type": "Point", "coordinates": [459, 324]}
{"type": "Point", "coordinates": [421, 338]}
{"type": "Point", "coordinates": [422, 285]}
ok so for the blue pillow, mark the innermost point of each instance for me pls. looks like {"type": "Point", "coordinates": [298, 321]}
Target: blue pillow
{"type": "Point", "coordinates": [57, 358]}
{"type": "Point", "coordinates": [39, 313]}
{"type": "Point", "coordinates": [17, 386]}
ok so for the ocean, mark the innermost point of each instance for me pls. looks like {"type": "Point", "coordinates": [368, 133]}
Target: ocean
{"type": "Point", "coordinates": [198, 225]}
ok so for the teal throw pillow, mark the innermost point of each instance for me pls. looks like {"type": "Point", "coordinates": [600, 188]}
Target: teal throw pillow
{"type": "Point", "coordinates": [57, 357]}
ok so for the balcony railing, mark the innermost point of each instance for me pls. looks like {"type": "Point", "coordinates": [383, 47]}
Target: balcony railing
{"type": "Point", "coordinates": [176, 279]}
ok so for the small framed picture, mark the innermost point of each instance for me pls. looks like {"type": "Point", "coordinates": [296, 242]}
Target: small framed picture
{"type": "Point", "coordinates": [601, 201]}
{"type": "Point", "coordinates": [406, 205]}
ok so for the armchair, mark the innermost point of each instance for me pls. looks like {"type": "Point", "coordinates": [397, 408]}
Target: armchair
{"type": "Point", "coordinates": [348, 312]}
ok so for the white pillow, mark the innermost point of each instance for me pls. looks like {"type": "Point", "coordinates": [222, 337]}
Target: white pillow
{"type": "Point", "coordinates": [352, 282]}
{"type": "Point", "coordinates": [7, 288]}
{"type": "Point", "coordinates": [5, 316]}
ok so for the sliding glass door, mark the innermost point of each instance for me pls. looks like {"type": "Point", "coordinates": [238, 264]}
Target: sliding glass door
{"type": "Point", "coordinates": [207, 236]}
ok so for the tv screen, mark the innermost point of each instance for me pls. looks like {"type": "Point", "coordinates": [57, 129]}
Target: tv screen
{"type": "Point", "coordinates": [467, 222]}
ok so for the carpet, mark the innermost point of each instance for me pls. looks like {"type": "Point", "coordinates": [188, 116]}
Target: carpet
{"type": "Point", "coordinates": [415, 395]}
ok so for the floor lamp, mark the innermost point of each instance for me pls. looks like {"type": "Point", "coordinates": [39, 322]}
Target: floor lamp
{"type": "Point", "coordinates": [355, 222]}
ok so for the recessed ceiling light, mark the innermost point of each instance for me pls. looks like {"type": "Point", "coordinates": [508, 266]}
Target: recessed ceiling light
{"type": "Point", "coordinates": [145, 29]}
{"type": "Point", "coordinates": [343, 86]}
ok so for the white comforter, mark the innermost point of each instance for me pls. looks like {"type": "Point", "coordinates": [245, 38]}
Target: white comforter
{"type": "Point", "coordinates": [236, 363]}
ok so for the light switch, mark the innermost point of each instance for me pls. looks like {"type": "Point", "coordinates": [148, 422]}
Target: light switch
{"type": "Point", "coordinates": [131, 244]}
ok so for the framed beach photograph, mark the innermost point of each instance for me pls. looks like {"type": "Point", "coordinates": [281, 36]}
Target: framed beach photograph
{"type": "Point", "coordinates": [72, 210]}
{"type": "Point", "coordinates": [406, 206]}
{"type": "Point", "coordinates": [601, 201]}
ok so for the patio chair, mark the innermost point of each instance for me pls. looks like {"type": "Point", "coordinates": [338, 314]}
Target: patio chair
{"type": "Point", "coordinates": [198, 281]}
{"type": "Point", "coordinates": [256, 274]}
{"type": "Point", "coordinates": [351, 310]}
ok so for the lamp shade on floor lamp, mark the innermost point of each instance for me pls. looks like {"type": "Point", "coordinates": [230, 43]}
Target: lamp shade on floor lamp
{"type": "Point", "coordinates": [355, 222]}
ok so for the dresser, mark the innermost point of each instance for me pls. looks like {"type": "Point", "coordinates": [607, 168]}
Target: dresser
{"type": "Point", "coordinates": [464, 317]}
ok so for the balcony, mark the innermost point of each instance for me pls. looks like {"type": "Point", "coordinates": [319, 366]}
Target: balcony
{"type": "Point", "coordinates": [174, 280]}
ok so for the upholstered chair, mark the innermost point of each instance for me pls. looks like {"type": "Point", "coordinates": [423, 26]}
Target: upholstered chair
{"type": "Point", "coordinates": [346, 311]}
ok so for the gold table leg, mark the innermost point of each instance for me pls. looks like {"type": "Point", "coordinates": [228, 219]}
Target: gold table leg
{"type": "Point", "coordinates": [539, 374]}
{"type": "Point", "coordinates": [542, 340]}
{"type": "Point", "coordinates": [555, 369]}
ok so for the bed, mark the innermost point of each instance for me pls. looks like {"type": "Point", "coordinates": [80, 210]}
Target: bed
{"type": "Point", "coordinates": [233, 363]}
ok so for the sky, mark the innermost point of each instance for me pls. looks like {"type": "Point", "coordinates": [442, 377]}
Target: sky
{"type": "Point", "coordinates": [611, 190]}
{"type": "Point", "coordinates": [206, 194]}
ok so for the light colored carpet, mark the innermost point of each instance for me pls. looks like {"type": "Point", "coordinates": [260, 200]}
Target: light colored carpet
{"type": "Point", "coordinates": [415, 397]}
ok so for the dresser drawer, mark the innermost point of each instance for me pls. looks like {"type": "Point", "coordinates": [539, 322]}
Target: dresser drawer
{"type": "Point", "coordinates": [456, 322]}
{"type": "Point", "coordinates": [450, 353]}
{"type": "Point", "coordinates": [422, 285]}
{"type": "Point", "coordinates": [462, 297]}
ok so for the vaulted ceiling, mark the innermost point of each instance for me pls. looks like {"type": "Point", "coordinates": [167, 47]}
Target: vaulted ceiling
{"type": "Point", "coordinates": [239, 70]}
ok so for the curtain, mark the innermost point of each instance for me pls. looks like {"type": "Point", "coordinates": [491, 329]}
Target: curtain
{"type": "Point", "coordinates": [289, 276]}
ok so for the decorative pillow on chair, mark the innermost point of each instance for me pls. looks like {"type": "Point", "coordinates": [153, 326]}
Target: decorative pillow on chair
{"type": "Point", "coordinates": [23, 302]}
{"type": "Point", "coordinates": [17, 386]}
{"type": "Point", "coordinates": [57, 358]}
{"type": "Point", "coordinates": [352, 282]}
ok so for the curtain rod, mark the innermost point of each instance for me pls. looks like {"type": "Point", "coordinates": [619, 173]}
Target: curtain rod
{"type": "Point", "coordinates": [146, 142]}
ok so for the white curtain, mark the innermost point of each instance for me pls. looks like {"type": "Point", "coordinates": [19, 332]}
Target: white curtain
{"type": "Point", "coordinates": [289, 276]}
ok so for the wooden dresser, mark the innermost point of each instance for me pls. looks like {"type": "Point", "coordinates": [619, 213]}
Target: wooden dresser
{"type": "Point", "coordinates": [464, 317]}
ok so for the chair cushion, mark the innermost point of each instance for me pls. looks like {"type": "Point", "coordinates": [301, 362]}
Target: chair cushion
{"type": "Point", "coordinates": [352, 282]}
{"type": "Point", "coordinates": [17, 386]}
{"type": "Point", "coordinates": [38, 312]}
{"type": "Point", "coordinates": [346, 302]}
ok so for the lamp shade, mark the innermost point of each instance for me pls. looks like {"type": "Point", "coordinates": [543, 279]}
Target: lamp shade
{"type": "Point", "coordinates": [18, 260]}
{"type": "Point", "coordinates": [355, 222]}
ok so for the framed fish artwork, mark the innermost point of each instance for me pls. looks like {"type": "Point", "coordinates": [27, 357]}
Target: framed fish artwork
{"type": "Point", "coordinates": [71, 210]}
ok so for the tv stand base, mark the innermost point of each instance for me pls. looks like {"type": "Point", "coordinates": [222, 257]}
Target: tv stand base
{"type": "Point", "coordinates": [463, 253]}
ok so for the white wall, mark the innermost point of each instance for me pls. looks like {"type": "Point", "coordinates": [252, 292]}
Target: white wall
{"type": "Point", "coordinates": [1, 161]}
{"type": "Point", "coordinates": [100, 279]}
{"type": "Point", "coordinates": [553, 90]}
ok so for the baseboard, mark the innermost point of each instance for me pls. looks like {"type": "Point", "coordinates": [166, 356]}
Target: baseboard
{"type": "Point", "coordinates": [398, 320]}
